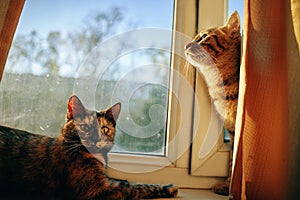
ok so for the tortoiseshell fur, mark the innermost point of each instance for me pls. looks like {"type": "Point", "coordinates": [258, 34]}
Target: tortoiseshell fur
{"type": "Point", "coordinates": [65, 167]}
{"type": "Point", "coordinates": [216, 54]}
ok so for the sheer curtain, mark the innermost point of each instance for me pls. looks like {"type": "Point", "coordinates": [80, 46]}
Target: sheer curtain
{"type": "Point", "coordinates": [267, 147]}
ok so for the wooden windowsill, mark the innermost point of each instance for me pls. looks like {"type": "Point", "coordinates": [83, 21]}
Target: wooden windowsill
{"type": "Point", "coordinates": [184, 194]}
{"type": "Point", "coordinates": [194, 194]}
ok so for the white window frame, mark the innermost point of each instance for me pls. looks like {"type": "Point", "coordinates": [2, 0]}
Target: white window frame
{"type": "Point", "coordinates": [182, 165]}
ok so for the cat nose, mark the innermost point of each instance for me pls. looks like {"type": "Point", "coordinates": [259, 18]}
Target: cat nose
{"type": "Point", "coordinates": [187, 46]}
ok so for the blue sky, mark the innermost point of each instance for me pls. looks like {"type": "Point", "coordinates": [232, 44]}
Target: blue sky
{"type": "Point", "coordinates": [67, 15]}
{"type": "Point", "coordinates": [64, 15]}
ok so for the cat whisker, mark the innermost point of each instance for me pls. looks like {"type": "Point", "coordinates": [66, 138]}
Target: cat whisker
{"type": "Point", "coordinates": [73, 148]}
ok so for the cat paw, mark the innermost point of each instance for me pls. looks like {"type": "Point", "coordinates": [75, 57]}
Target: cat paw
{"type": "Point", "coordinates": [172, 190]}
{"type": "Point", "coordinates": [221, 188]}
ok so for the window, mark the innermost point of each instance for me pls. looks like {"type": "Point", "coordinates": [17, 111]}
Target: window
{"type": "Point", "coordinates": [58, 53]}
{"type": "Point", "coordinates": [107, 56]}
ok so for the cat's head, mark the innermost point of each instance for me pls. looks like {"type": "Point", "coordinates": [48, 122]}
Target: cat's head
{"type": "Point", "coordinates": [94, 129]}
{"type": "Point", "coordinates": [215, 44]}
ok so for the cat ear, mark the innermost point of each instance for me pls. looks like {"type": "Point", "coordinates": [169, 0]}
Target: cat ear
{"type": "Point", "coordinates": [114, 111]}
{"type": "Point", "coordinates": [233, 23]}
{"type": "Point", "coordinates": [75, 107]}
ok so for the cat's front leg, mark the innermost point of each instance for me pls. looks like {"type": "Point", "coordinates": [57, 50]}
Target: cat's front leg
{"type": "Point", "coordinates": [122, 189]}
{"type": "Point", "coordinates": [147, 191]}
{"type": "Point", "coordinates": [91, 183]}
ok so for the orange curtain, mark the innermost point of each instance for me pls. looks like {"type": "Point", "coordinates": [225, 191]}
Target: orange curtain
{"type": "Point", "coordinates": [10, 11]}
{"type": "Point", "coordinates": [267, 131]}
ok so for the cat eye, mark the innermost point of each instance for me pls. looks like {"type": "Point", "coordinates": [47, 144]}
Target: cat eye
{"type": "Point", "coordinates": [84, 127]}
{"type": "Point", "coordinates": [203, 36]}
{"type": "Point", "coordinates": [105, 130]}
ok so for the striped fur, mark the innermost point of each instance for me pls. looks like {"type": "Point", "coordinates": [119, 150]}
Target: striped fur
{"type": "Point", "coordinates": [43, 167]}
{"type": "Point", "coordinates": [216, 54]}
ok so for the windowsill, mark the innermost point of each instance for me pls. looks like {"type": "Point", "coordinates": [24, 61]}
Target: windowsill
{"type": "Point", "coordinates": [193, 194]}
{"type": "Point", "coordinates": [188, 194]}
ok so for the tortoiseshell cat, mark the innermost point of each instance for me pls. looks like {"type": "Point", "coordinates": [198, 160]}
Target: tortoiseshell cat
{"type": "Point", "coordinates": [216, 54]}
{"type": "Point", "coordinates": [65, 167]}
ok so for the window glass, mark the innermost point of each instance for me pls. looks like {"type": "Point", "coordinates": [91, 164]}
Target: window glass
{"type": "Point", "coordinates": [54, 51]}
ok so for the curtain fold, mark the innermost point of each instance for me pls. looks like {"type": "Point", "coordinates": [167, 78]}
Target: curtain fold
{"type": "Point", "coordinates": [294, 100]}
{"type": "Point", "coordinates": [10, 11]}
{"type": "Point", "coordinates": [267, 139]}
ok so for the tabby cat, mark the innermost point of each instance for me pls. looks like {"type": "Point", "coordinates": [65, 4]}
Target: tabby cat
{"type": "Point", "coordinates": [216, 54]}
{"type": "Point", "coordinates": [66, 167]}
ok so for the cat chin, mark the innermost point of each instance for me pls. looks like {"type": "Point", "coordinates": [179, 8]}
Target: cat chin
{"type": "Point", "coordinates": [98, 150]}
